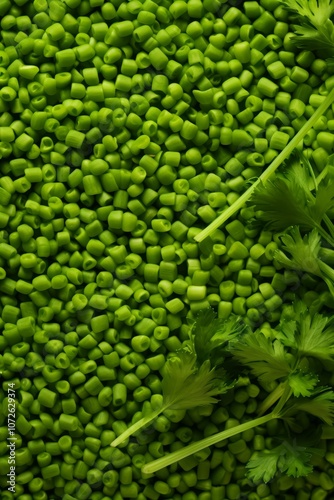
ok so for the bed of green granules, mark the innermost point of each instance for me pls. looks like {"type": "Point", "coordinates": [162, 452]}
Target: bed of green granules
{"type": "Point", "coordinates": [125, 129]}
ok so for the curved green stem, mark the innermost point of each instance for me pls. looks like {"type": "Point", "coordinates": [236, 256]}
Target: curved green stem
{"type": "Point", "coordinates": [269, 171]}
{"type": "Point", "coordinates": [178, 455]}
{"type": "Point", "coordinates": [136, 427]}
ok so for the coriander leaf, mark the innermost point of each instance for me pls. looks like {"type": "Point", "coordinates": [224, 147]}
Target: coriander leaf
{"type": "Point", "coordinates": [285, 199]}
{"type": "Point", "coordinates": [297, 169]}
{"type": "Point", "coordinates": [184, 386]}
{"type": "Point", "coordinates": [296, 461]}
{"type": "Point", "coordinates": [228, 330]}
{"type": "Point", "coordinates": [309, 334]}
{"type": "Point", "coordinates": [315, 30]}
{"type": "Point", "coordinates": [314, 339]}
{"type": "Point", "coordinates": [266, 359]}
{"type": "Point", "coordinates": [263, 465]}
{"type": "Point", "coordinates": [320, 39]}
{"type": "Point", "coordinates": [282, 205]}
{"type": "Point", "coordinates": [286, 333]}
{"type": "Point", "coordinates": [304, 251]}
{"type": "Point", "coordinates": [302, 384]}
{"type": "Point", "coordinates": [321, 406]}
{"type": "Point", "coordinates": [302, 171]}
{"type": "Point", "coordinates": [203, 330]}
{"type": "Point", "coordinates": [288, 200]}
{"type": "Point", "coordinates": [292, 460]}
{"type": "Point", "coordinates": [194, 376]}
{"type": "Point", "coordinates": [210, 333]}
{"type": "Point", "coordinates": [305, 255]}
{"type": "Point", "coordinates": [324, 200]}
{"type": "Point", "coordinates": [316, 11]}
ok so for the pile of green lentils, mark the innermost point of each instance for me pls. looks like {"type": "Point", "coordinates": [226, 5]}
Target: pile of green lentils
{"type": "Point", "coordinates": [125, 129]}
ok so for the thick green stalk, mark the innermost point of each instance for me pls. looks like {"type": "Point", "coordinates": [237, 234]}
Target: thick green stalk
{"type": "Point", "coordinates": [269, 171]}
{"type": "Point", "coordinates": [178, 455]}
{"type": "Point", "coordinates": [281, 402]}
{"type": "Point", "coordinates": [271, 399]}
{"type": "Point", "coordinates": [136, 427]}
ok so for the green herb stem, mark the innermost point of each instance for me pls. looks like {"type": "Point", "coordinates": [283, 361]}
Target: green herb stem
{"type": "Point", "coordinates": [325, 268]}
{"type": "Point", "coordinates": [329, 224]}
{"type": "Point", "coordinates": [325, 235]}
{"type": "Point", "coordinates": [327, 255]}
{"type": "Point", "coordinates": [271, 399]}
{"type": "Point", "coordinates": [178, 455]}
{"type": "Point", "coordinates": [136, 427]}
{"type": "Point", "coordinates": [328, 275]}
{"type": "Point", "coordinates": [281, 402]}
{"type": "Point", "coordinates": [322, 175]}
{"type": "Point", "coordinates": [269, 171]}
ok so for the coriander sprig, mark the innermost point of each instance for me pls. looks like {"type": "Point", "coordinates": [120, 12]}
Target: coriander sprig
{"type": "Point", "coordinates": [290, 459]}
{"type": "Point", "coordinates": [313, 27]}
{"type": "Point", "coordinates": [305, 255]}
{"type": "Point", "coordinates": [296, 202]}
{"type": "Point", "coordinates": [184, 386]}
{"type": "Point", "coordinates": [193, 376]}
{"type": "Point", "coordinates": [294, 198]}
{"type": "Point", "coordinates": [283, 155]}
{"type": "Point", "coordinates": [315, 31]}
{"type": "Point", "coordinates": [283, 357]}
